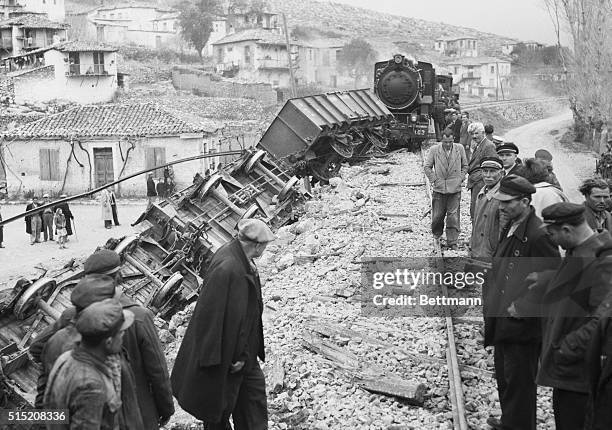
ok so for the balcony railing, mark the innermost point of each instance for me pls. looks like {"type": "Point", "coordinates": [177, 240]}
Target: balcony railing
{"type": "Point", "coordinates": [87, 70]}
{"type": "Point", "coordinates": [268, 63]}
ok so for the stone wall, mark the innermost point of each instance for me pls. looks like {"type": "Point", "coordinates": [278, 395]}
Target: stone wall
{"type": "Point", "coordinates": [209, 85]}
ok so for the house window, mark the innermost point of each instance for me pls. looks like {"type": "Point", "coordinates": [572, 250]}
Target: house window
{"type": "Point", "coordinates": [155, 157]}
{"type": "Point", "coordinates": [326, 58]}
{"type": "Point", "coordinates": [75, 63]}
{"type": "Point", "coordinates": [112, 15]}
{"type": "Point", "coordinates": [492, 69]}
{"type": "Point", "coordinates": [247, 54]}
{"type": "Point", "coordinates": [310, 54]}
{"type": "Point", "coordinates": [155, 26]}
{"type": "Point", "coordinates": [220, 55]}
{"type": "Point", "coordinates": [165, 26]}
{"type": "Point", "coordinates": [98, 63]}
{"type": "Point", "coordinates": [49, 164]}
{"type": "Point", "coordinates": [174, 26]}
{"type": "Point", "coordinates": [229, 49]}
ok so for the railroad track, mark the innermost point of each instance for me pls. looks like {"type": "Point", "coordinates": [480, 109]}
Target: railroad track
{"type": "Point", "coordinates": [513, 102]}
{"type": "Point", "coordinates": [454, 373]}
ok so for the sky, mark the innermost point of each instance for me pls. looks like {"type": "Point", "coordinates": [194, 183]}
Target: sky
{"type": "Point", "coordinates": [520, 19]}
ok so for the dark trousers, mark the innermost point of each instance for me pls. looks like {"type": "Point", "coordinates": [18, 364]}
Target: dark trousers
{"type": "Point", "coordinates": [248, 393]}
{"type": "Point", "coordinates": [516, 366]}
{"type": "Point", "coordinates": [570, 409]}
{"type": "Point", "coordinates": [114, 209]}
{"type": "Point", "coordinates": [1, 235]}
{"type": "Point", "coordinates": [475, 190]}
{"type": "Point", "coordinates": [48, 225]}
{"type": "Point", "coordinates": [445, 206]}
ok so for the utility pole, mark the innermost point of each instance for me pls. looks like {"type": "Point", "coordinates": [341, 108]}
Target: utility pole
{"type": "Point", "coordinates": [497, 82]}
{"type": "Point", "coordinates": [291, 78]}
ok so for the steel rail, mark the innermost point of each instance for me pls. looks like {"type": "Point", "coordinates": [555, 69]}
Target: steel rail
{"type": "Point", "coordinates": [510, 102]}
{"type": "Point", "coordinates": [454, 373]}
{"type": "Point", "coordinates": [110, 184]}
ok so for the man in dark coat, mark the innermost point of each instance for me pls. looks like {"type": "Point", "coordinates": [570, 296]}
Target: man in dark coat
{"type": "Point", "coordinates": [508, 152]}
{"type": "Point", "coordinates": [596, 194]}
{"type": "Point", "coordinates": [571, 295]}
{"type": "Point", "coordinates": [482, 148]}
{"type": "Point", "coordinates": [67, 213]}
{"type": "Point", "coordinates": [524, 248]}
{"type": "Point", "coordinates": [33, 222]}
{"type": "Point", "coordinates": [216, 373]}
{"type": "Point", "coordinates": [151, 192]}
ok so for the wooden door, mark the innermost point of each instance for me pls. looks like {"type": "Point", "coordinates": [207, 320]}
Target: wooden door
{"type": "Point", "coordinates": [103, 164]}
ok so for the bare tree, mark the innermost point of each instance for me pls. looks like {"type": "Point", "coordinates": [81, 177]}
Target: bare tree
{"type": "Point", "coordinates": [589, 65]}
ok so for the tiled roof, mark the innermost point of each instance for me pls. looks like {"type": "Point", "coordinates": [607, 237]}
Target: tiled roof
{"type": "Point", "coordinates": [141, 119]}
{"type": "Point", "coordinates": [32, 20]}
{"type": "Point", "coordinates": [160, 8]}
{"type": "Point", "coordinates": [451, 39]}
{"type": "Point", "coordinates": [258, 34]}
{"type": "Point", "coordinates": [70, 46]}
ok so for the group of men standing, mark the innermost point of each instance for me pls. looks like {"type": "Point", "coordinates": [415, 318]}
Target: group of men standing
{"type": "Point", "coordinates": [42, 221]}
{"type": "Point", "coordinates": [102, 360]}
{"type": "Point", "coordinates": [547, 317]}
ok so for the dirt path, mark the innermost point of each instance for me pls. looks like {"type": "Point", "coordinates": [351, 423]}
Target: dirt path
{"type": "Point", "coordinates": [571, 165]}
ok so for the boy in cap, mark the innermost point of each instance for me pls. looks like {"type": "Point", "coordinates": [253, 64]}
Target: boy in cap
{"type": "Point", "coordinates": [508, 152]}
{"type": "Point", "coordinates": [481, 148]}
{"type": "Point", "coordinates": [87, 380]}
{"type": "Point", "coordinates": [216, 373]}
{"type": "Point", "coordinates": [487, 216]}
{"type": "Point", "coordinates": [572, 294]}
{"type": "Point", "coordinates": [523, 248]}
{"type": "Point", "coordinates": [445, 167]}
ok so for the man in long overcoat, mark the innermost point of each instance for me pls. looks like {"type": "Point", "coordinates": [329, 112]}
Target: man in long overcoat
{"type": "Point", "coordinates": [481, 148]}
{"type": "Point", "coordinates": [216, 373]}
{"type": "Point", "coordinates": [67, 213]}
{"type": "Point", "coordinates": [524, 248]}
{"type": "Point", "coordinates": [571, 296]}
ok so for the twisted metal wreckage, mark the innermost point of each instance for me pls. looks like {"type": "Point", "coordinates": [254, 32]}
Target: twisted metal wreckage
{"type": "Point", "coordinates": [164, 264]}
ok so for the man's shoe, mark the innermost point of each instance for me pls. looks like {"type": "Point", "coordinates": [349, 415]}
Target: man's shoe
{"type": "Point", "coordinates": [495, 423]}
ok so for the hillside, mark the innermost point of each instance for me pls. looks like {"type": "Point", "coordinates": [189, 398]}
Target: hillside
{"type": "Point", "coordinates": [387, 33]}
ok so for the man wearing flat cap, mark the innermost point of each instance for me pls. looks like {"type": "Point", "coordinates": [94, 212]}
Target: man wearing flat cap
{"type": "Point", "coordinates": [216, 373]}
{"type": "Point", "coordinates": [571, 295]}
{"type": "Point", "coordinates": [487, 216]}
{"type": "Point", "coordinates": [524, 248]}
{"type": "Point", "coordinates": [87, 380]}
{"type": "Point", "coordinates": [508, 152]}
{"type": "Point", "coordinates": [481, 147]}
{"type": "Point", "coordinates": [546, 157]}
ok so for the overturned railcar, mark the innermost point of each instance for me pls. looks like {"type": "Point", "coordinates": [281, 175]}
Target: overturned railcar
{"type": "Point", "coordinates": [162, 266]}
{"type": "Point", "coordinates": [312, 135]}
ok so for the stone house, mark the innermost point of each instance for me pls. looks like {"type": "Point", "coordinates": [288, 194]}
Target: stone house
{"type": "Point", "coordinates": [81, 72]}
{"type": "Point", "coordinates": [460, 46]}
{"type": "Point", "coordinates": [255, 54]}
{"type": "Point", "coordinates": [317, 61]}
{"type": "Point", "coordinates": [89, 146]}
{"type": "Point", "coordinates": [481, 76]}
{"type": "Point", "coordinates": [53, 9]}
{"type": "Point", "coordinates": [25, 33]}
{"type": "Point", "coordinates": [136, 23]}
{"type": "Point", "coordinates": [532, 45]}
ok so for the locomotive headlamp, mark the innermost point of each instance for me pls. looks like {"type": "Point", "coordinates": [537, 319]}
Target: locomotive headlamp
{"type": "Point", "coordinates": [413, 118]}
{"type": "Point", "coordinates": [398, 59]}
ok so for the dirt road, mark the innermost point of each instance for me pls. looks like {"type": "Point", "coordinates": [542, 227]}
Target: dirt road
{"type": "Point", "coordinates": [571, 165]}
{"type": "Point", "coordinates": [18, 258]}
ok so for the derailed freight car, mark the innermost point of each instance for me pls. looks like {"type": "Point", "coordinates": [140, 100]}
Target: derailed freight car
{"type": "Point", "coordinates": [162, 266]}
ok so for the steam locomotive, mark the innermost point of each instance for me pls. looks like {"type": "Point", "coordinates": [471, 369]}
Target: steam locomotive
{"type": "Point", "coordinates": [415, 95]}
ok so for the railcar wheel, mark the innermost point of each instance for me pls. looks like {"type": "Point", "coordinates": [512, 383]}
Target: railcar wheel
{"type": "Point", "coordinates": [283, 193]}
{"type": "Point", "coordinates": [252, 210]}
{"type": "Point", "coordinates": [325, 167]}
{"type": "Point", "coordinates": [343, 149]}
{"type": "Point", "coordinates": [162, 294]}
{"type": "Point", "coordinates": [125, 244]}
{"type": "Point", "coordinates": [255, 158]}
{"type": "Point", "coordinates": [27, 304]}
{"type": "Point", "coordinates": [212, 182]}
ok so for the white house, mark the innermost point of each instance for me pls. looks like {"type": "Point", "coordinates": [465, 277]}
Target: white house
{"type": "Point", "coordinates": [81, 72]}
{"type": "Point", "coordinates": [89, 146]}
{"type": "Point", "coordinates": [508, 47]}
{"type": "Point", "coordinates": [481, 76]}
{"type": "Point", "coordinates": [53, 9]}
{"type": "Point", "coordinates": [25, 33]}
{"type": "Point", "coordinates": [461, 46]}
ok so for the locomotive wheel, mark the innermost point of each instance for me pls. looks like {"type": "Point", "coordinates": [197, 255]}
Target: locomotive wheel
{"type": "Point", "coordinates": [343, 149]}
{"type": "Point", "coordinates": [283, 193]}
{"type": "Point", "coordinates": [125, 244]}
{"type": "Point", "coordinates": [162, 294]}
{"type": "Point", "coordinates": [27, 303]}
{"type": "Point", "coordinates": [255, 158]}
{"type": "Point", "coordinates": [325, 167]}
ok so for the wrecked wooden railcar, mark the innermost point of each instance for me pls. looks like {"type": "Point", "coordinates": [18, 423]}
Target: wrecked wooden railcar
{"type": "Point", "coordinates": [162, 266]}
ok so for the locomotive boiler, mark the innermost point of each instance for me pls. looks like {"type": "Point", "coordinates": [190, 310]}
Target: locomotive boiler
{"type": "Point", "coordinates": [414, 94]}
